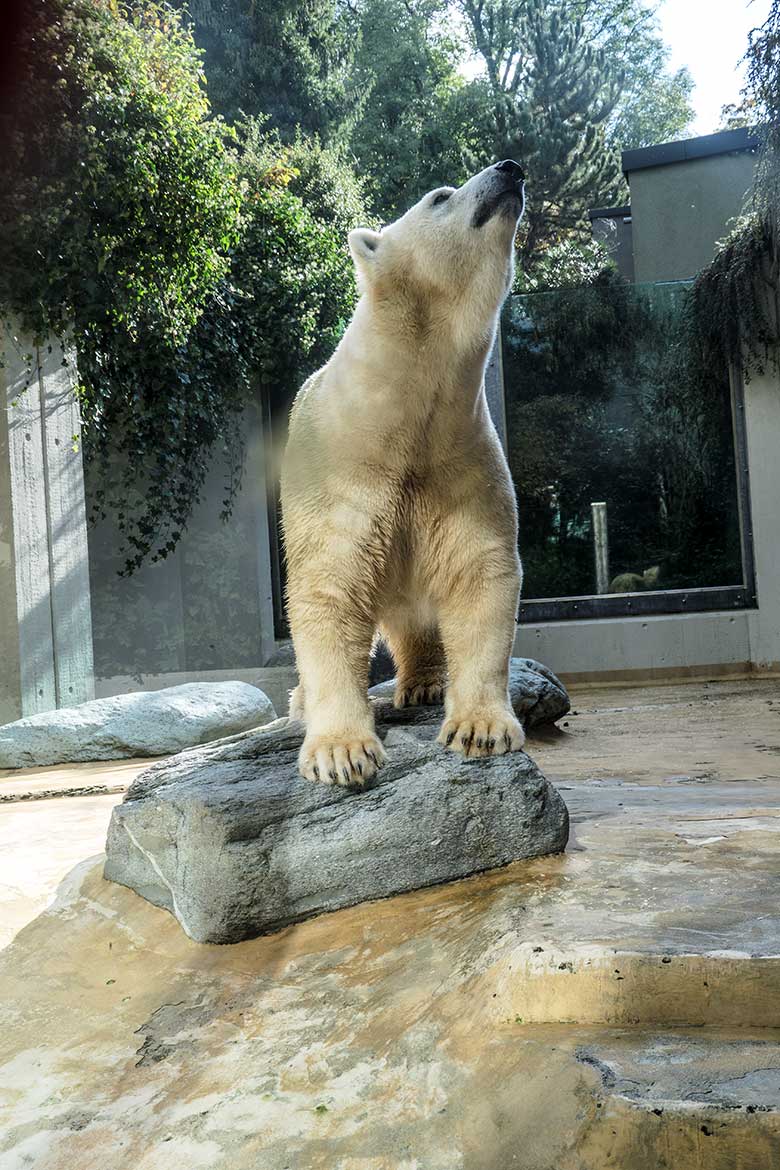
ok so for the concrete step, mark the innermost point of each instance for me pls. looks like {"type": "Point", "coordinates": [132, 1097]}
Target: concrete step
{"type": "Point", "coordinates": [662, 912]}
{"type": "Point", "coordinates": [677, 1100]}
{"type": "Point", "coordinates": [379, 1037]}
{"type": "Point", "coordinates": [592, 985]}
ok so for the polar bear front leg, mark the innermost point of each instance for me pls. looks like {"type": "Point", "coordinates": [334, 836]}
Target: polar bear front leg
{"type": "Point", "coordinates": [332, 645]}
{"type": "Point", "coordinates": [478, 628]}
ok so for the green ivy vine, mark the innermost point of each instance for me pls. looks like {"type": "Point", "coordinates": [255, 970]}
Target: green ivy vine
{"type": "Point", "coordinates": [166, 247]}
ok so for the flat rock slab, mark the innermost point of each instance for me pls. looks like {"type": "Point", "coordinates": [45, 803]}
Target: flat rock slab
{"type": "Point", "coordinates": [537, 695]}
{"type": "Point", "coordinates": [145, 723]}
{"type": "Point", "coordinates": [235, 844]}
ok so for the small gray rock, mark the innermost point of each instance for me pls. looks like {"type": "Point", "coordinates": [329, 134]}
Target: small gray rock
{"type": "Point", "coordinates": [537, 695]}
{"type": "Point", "coordinates": [234, 843]}
{"type": "Point", "coordinates": [145, 723]}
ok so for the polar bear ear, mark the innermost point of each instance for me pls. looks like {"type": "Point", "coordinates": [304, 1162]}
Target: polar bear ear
{"type": "Point", "coordinates": [363, 244]}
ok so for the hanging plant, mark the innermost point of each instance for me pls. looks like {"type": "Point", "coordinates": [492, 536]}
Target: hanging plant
{"type": "Point", "coordinates": [166, 249]}
{"type": "Point", "coordinates": [735, 304]}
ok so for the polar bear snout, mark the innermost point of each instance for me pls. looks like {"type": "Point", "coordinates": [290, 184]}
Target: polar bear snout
{"type": "Point", "coordinates": [501, 188]}
{"type": "Point", "coordinates": [512, 169]}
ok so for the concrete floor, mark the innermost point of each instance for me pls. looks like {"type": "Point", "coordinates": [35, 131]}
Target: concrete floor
{"type": "Point", "coordinates": [538, 1017]}
{"type": "Point", "coordinates": [44, 832]}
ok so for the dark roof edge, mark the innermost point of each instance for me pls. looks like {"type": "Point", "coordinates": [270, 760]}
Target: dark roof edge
{"type": "Point", "coordinates": [724, 142]}
{"type": "Point", "coordinates": [609, 212]}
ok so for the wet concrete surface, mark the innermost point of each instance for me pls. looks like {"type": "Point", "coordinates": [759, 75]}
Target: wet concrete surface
{"type": "Point", "coordinates": [616, 1006]}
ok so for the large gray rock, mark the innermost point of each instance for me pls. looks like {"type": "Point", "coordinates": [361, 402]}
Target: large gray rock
{"type": "Point", "coordinates": [234, 843]}
{"type": "Point", "coordinates": [146, 723]}
{"type": "Point", "coordinates": [537, 695]}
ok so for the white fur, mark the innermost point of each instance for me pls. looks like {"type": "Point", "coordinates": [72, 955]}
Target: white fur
{"type": "Point", "coordinates": [398, 508]}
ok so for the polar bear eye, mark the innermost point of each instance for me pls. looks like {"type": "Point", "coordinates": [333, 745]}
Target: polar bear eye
{"type": "Point", "coordinates": [442, 197]}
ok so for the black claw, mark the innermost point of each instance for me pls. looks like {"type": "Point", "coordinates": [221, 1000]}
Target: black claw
{"type": "Point", "coordinates": [333, 775]}
{"type": "Point", "coordinates": [450, 737]}
{"type": "Point", "coordinates": [316, 771]}
{"type": "Point", "coordinates": [360, 767]}
{"type": "Point", "coordinates": [490, 744]}
{"type": "Point", "coordinates": [345, 774]}
{"type": "Point", "coordinates": [507, 741]}
{"type": "Point", "coordinates": [371, 756]}
{"type": "Point", "coordinates": [479, 743]}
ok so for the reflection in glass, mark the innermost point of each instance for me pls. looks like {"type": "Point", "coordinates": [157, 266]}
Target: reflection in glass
{"type": "Point", "coordinates": [620, 443]}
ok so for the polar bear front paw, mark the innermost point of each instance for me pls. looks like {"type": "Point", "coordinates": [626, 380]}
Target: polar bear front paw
{"type": "Point", "coordinates": [482, 733]}
{"type": "Point", "coordinates": [349, 759]}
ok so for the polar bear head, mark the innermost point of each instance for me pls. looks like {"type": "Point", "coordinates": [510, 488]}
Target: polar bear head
{"type": "Point", "coordinates": [451, 254]}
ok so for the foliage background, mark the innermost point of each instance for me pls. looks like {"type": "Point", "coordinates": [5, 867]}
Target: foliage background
{"type": "Point", "coordinates": [736, 303]}
{"type": "Point", "coordinates": [181, 179]}
{"type": "Point", "coordinates": [172, 248]}
{"type": "Point", "coordinates": [173, 243]}
{"type": "Point", "coordinates": [418, 93]}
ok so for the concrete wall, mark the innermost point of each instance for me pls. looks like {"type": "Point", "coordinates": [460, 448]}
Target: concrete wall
{"type": "Point", "coordinates": [640, 648]}
{"type": "Point", "coordinates": [680, 210]}
{"type": "Point", "coordinates": [205, 612]}
{"type": "Point", "coordinates": [10, 666]}
{"type": "Point", "coordinates": [206, 608]}
{"type": "Point", "coordinates": [707, 645]}
{"type": "Point", "coordinates": [45, 629]}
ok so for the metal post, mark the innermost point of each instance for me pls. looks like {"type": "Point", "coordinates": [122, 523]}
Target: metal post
{"type": "Point", "coordinates": [600, 545]}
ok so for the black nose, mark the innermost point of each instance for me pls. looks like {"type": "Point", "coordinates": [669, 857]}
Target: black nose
{"type": "Point", "coordinates": [511, 168]}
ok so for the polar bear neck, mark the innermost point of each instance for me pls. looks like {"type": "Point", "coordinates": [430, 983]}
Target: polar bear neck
{"type": "Point", "coordinates": [411, 313]}
{"type": "Point", "coordinates": [422, 339]}
{"type": "Point", "coordinates": [406, 367]}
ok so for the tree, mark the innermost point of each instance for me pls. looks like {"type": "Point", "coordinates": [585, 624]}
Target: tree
{"type": "Point", "coordinates": [553, 90]}
{"type": "Point", "coordinates": [120, 199]}
{"type": "Point", "coordinates": [158, 416]}
{"type": "Point", "coordinates": [762, 99]}
{"type": "Point", "coordinates": [736, 116]}
{"type": "Point", "coordinates": [322, 176]}
{"type": "Point", "coordinates": [567, 83]}
{"type": "Point", "coordinates": [286, 59]}
{"type": "Point", "coordinates": [654, 103]}
{"type": "Point", "coordinates": [419, 123]}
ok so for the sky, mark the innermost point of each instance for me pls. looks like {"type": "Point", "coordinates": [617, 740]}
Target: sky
{"type": "Point", "coordinates": [710, 37]}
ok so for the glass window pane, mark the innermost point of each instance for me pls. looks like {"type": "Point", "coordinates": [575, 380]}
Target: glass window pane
{"type": "Point", "coordinates": [609, 402]}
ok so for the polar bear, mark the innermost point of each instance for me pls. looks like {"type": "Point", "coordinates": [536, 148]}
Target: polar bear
{"type": "Point", "coordinates": [398, 510]}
